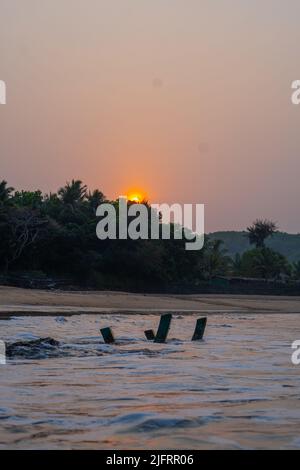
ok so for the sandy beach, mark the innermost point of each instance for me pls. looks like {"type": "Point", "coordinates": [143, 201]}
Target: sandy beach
{"type": "Point", "coordinates": [19, 301]}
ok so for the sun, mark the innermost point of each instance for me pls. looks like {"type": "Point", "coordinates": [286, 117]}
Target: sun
{"type": "Point", "coordinates": [136, 196]}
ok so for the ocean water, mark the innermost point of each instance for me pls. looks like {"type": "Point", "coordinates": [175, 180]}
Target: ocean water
{"type": "Point", "coordinates": [236, 389]}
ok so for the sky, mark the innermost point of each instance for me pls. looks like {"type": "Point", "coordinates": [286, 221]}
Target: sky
{"type": "Point", "coordinates": [188, 100]}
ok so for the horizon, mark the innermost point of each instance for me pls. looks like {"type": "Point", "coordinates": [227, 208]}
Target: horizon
{"type": "Point", "coordinates": [137, 195]}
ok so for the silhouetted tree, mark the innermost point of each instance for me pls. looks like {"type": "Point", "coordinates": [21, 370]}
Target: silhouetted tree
{"type": "Point", "coordinates": [73, 193]}
{"type": "Point", "coordinates": [95, 198]}
{"type": "Point", "coordinates": [264, 263]}
{"type": "Point", "coordinates": [31, 199]}
{"type": "Point", "coordinates": [215, 261]}
{"type": "Point", "coordinates": [260, 230]}
{"type": "Point", "coordinates": [55, 234]}
{"type": "Point", "coordinates": [23, 227]}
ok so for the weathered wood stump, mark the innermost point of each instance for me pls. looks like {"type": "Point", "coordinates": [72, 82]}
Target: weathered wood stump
{"type": "Point", "coordinates": [163, 328]}
{"type": "Point", "coordinates": [107, 335]}
{"type": "Point", "coordinates": [199, 329]}
{"type": "Point", "coordinates": [150, 335]}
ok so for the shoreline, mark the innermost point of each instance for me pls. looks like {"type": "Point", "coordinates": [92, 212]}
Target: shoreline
{"type": "Point", "coordinates": [16, 301]}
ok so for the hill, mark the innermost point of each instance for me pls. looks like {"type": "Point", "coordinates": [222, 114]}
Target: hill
{"type": "Point", "coordinates": [237, 242]}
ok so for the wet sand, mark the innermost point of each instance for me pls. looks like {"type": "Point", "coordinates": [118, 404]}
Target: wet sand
{"type": "Point", "coordinates": [19, 301]}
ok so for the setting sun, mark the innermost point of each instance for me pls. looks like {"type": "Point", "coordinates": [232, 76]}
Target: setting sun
{"type": "Point", "coordinates": [136, 196]}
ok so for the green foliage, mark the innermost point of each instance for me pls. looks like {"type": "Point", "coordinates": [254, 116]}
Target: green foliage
{"type": "Point", "coordinates": [263, 263]}
{"type": "Point", "coordinates": [216, 262]}
{"type": "Point", "coordinates": [73, 193]}
{"type": "Point", "coordinates": [55, 234]}
{"type": "Point", "coordinates": [288, 244]}
{"type": "Point", "coordinates": [33, 199]}
{"type": "Point", "coordinates": [95, 198]}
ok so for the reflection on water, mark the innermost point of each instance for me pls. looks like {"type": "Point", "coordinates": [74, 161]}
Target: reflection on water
{"type": "Point", "coordinates": [236, 389]}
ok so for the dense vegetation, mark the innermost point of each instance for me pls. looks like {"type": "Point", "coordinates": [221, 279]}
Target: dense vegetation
{"type": "Point", "coordinates": [288, 244]}
{"type": "Point", "coordinates": [55, 235]}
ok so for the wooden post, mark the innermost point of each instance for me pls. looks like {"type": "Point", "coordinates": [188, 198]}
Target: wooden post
{"type": "Point", "coordinates": [107, 335]}
{"type": "Point", "coordinates": [163, 328]}
{"type": "Point", "coordinates": [199, 329]}
{"type": "Point", "coordinates": [150, 335]}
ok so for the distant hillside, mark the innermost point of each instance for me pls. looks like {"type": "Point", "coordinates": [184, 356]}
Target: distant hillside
{"type": "Point", "coordinates": [237, 242]}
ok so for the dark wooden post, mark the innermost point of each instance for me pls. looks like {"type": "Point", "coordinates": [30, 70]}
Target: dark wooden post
{"type": "Point", "coordinates": [150, 335]}
{"type": "Point", "coordinates": [199, 329]}
{"type": "Point", "coordinates": [107, 335]}
{"type": "Point", "coordinates": [163, 328]}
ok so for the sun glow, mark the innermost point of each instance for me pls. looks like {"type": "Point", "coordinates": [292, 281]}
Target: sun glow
{"type": "Point", "coordinates": [136, 196]}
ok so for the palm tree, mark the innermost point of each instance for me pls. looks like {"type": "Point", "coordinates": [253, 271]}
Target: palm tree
{"type": "Point", "coordinates": [260, 230]}
{"type": "Point", "coordinates": [5, 192]}
{"type": "Point", "coordinates": [73, 193]}
{"type": "Point", "coordinates": [95, 199]}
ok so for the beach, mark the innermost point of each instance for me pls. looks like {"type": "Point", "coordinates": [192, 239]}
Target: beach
{"type": "Point", "coordinates": [27, 301]}
{"type": "Point", "coordinates": [235, 389]}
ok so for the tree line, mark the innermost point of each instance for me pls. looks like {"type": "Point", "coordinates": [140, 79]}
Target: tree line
{"type": "Point", "coordinates": [54, 235]}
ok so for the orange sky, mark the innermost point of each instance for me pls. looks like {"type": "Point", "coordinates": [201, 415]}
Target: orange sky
{"type": "Point", "coordinates": [189, 101]}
